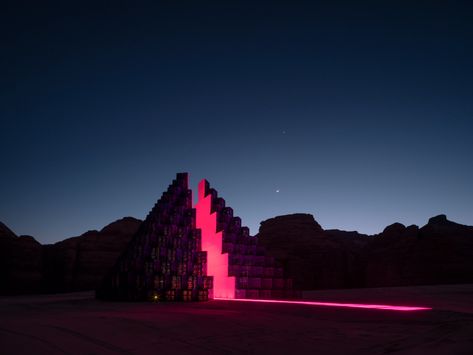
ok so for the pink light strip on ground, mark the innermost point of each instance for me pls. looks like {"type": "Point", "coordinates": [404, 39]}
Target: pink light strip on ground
{"type": "Point", "coordinates": [333, 304]}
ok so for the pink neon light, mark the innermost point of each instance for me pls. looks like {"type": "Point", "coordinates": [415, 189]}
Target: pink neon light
{"type": "Point", "coordinates": [217, 263]}
{"type": "Point", "coordinates": [334, 304]}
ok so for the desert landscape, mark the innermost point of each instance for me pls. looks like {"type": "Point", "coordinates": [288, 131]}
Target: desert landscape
{"type": "Point", "coordinates": [77, 323]}
{"type": "Point", "coordinates": [336, 305]}
{"type": "Point", "coordinates": [237, 177]}
{"type": "Point", "coordinates": [440, 252]}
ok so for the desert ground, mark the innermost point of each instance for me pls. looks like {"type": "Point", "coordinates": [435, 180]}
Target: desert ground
{"type": "Point", "coordinates": [76, 323]}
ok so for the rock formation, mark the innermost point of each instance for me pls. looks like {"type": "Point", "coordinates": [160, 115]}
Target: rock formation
{"type": "Point", "coordinates": [77, 263]}
{"type": "Point", "coordinates": [20, 263]}
{"type": "Point", "coordinates": [441, 252]}
{"type": "Point", "coordinates": [80, 263]}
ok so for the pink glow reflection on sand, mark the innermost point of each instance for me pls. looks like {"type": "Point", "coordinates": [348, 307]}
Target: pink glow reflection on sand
{"type": "Point", "coordinates": [334, 304]}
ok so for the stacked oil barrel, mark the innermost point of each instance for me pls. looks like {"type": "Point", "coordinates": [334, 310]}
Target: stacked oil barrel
{"type": "Point", "coordinates": [257, 275]}
{"type": "Point", "coordinates": [164, 260]}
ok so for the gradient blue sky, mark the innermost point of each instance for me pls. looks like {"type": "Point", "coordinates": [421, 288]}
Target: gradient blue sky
{"type": "Point", "coordinates": [358, 112]}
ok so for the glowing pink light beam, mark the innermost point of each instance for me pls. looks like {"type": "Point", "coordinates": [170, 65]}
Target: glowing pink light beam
{"type": "Point", "coordinates": [217, 262]}
{"type": "Point", "coordinates": [334, 304]}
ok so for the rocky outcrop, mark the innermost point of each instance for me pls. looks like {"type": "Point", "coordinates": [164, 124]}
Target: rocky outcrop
{"type": "Point", "coordinates": [20, 263]}
{"type": "Point", "coordinates": [77, 263]}
{"type": "Point", "coordinates": [441, 252]}
{"type": "Point", "coordinates": [314, 258]}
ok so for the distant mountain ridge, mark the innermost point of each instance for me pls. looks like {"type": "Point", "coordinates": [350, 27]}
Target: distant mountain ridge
{"type": "Point", "coordinates": [439, 252]}
{"type": "Point", "coordinates": [77, 263]}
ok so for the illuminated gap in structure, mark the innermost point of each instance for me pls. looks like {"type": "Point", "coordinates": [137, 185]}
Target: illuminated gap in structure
{"type": "Point", "coordinates": [217, 263]}
{"type": "Point", "coordinates": [335, 304]}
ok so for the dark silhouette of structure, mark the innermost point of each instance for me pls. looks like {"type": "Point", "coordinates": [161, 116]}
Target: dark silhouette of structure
{"type": "Point", "coordinates": [191, 254]}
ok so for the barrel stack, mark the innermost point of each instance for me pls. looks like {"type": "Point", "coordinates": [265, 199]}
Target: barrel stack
{"type": "Point", "coordinates": [255, 274]}
{"type": "Point", "coordinates": [164, 260]}
{"type": "Point", "coordinates": [181, 253]}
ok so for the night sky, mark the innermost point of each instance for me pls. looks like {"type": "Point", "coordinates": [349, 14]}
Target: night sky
{"type": "Point", "coordinates": [358, 112]}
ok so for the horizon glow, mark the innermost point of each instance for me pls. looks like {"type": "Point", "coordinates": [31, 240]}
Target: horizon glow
{"type": "Point", "coordinates": [334, 304]}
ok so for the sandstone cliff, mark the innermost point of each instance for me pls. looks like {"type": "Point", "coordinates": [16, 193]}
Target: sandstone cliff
{"type": "Point", "coordinates": [441, 252]}
{"type": "Point", "coordinates": [77, 263]}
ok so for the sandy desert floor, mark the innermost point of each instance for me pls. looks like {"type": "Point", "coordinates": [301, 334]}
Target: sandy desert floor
{"type": "Point", "coordinates": [78, 324]}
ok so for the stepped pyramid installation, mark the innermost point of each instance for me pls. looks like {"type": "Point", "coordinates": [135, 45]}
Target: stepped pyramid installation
{"type": "Point", "coordinates": [164, 260]}
{"type": "Point", "coordinates": [237, 263]}
{"type": "Point", "coordinates": [182, 253]}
